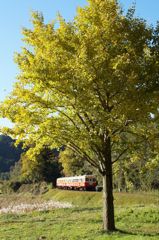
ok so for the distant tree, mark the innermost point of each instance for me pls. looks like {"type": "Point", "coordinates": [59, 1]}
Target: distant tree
{"type": "Point", "coordinates": [16, 172]}
{"type": "Point", "coordinates": [73, 164]}
{"type": "Point", "coordinates": [84, 84]}
{"type": "Point", "coordinates": [45, 167]}
{"type": "Point", "coordinates": [138, 168]}
{"type": "Point", "coordinates": [142, 168]}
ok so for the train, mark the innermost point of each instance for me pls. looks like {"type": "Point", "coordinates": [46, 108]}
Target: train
{"type": "Point", "coordinates": [84, 182]}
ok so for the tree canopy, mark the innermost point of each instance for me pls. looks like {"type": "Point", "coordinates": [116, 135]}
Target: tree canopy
{"type": "Point", "coordinates": [90, 84]}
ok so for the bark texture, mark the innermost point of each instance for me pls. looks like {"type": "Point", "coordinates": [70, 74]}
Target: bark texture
{"type": "Point", "coordinates": [108, 200]}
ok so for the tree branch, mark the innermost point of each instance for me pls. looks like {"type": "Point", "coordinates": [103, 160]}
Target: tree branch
{"type": "Point", "coordinates": [124, 151]}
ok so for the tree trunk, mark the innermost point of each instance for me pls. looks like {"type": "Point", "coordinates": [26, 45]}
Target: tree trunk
{"type": "Point", "coordinates": [108, 204]}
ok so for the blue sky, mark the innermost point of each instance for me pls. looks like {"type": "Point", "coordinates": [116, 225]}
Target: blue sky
{"type": "Point", "coordinates": [15, 14]}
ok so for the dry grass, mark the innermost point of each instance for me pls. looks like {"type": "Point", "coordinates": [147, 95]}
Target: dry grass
{"type": "Point", "coordinates": [19, 203]}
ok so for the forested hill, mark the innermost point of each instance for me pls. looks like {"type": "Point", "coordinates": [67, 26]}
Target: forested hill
{"type": "Point", "coordinates": [9, 154]}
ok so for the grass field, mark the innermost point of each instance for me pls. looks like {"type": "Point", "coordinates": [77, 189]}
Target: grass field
{"type": "Point", "coordinates": [137, 217]}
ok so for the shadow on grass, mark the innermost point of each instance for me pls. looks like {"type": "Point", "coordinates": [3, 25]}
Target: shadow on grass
{"type": "Point", "coordinates": [90, 209]}
{"type": "Point", "coordinates": [124, 232]}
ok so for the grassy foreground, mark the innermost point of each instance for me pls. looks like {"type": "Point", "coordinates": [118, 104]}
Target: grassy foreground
{"type": "Point", "coordinates": [137, 217]}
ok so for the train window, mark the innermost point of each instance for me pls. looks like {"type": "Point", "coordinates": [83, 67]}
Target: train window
{"type": "Point", "coordinates": [89, 179]}
{"type": "Point", "coordinates": [75, 180]}
{"type": "Point", "coordinates": [94, 180]}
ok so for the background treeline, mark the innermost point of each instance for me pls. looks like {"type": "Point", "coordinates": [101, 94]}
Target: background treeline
{"type": "Point", "coordinates": [17, 166]}
{"type": "Point", "coordinates": [9, 155]}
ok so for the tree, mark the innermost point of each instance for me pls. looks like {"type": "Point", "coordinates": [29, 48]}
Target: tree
{"type": "Point", "coordinates": [45, 167]}
{"type": "Point", "coordinates": [86, 84]}
{"type": "Point", "coordinates": [15, 172]}
{"type": "Point", "coordinates": [142, 168]}
{"type": "Point", "coordinates": [73, 164]}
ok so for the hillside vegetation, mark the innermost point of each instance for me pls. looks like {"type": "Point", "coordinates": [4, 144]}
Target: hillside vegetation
{"type": "Point", "coordinates": [9, 154]}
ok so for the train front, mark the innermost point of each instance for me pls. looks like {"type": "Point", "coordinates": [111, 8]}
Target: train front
{"type": "Point", "coordinates": [90, 183]}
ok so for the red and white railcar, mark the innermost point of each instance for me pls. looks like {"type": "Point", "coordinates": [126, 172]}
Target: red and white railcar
{"type": "Point", "coordinates": [85, 182]}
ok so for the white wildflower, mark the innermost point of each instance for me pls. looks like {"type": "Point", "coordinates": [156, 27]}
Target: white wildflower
{"type": "Point", "coordinates": [25, 207]}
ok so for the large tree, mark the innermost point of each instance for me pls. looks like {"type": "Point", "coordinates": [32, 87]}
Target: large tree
{"type": "Point", "coordinates": [86, 84]}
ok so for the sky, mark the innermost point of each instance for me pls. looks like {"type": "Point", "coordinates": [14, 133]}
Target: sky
{"type": "Point", "coordinates": [15, 14]}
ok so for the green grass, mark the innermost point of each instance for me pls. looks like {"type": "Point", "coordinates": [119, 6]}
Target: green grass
{"type": "Point", "coordinates": [137, 218]}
